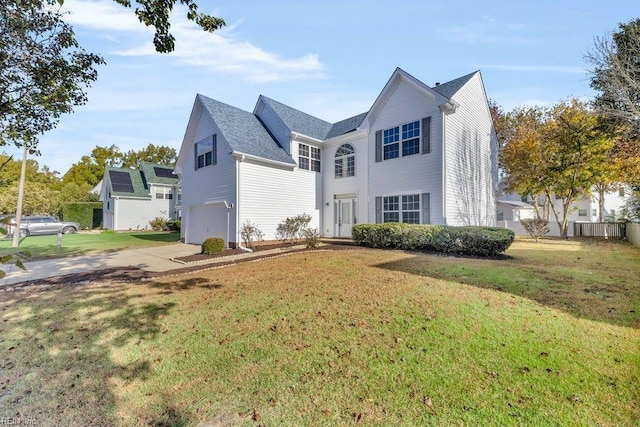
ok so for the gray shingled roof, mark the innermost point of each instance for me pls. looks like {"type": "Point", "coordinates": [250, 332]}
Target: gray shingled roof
{"type": "Point", "coordinates": [299, 122]}
{"type": "Point", "coordinates": [244, 132]}
{"type": "Point", "coordinates": [449, 89]}
{"type": "Point", "coordinates": [346, 125]}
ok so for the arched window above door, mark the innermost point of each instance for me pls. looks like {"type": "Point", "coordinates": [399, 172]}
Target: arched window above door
{"type": "Point", "coordinates": [345, 162]}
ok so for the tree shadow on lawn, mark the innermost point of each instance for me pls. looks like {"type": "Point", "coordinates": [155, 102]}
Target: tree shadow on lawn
{"type": "Point", "coordinates": [574, 289]}
{"type": "Point", "coordinates": [56, 360]}
{"type": "Point", "coordinates": [157, 236]}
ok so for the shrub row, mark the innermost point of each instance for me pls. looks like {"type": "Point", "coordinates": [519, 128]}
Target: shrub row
{"type": "Point", "coordinates": [87, 214]}
{"type": "Point", "coordinates": [477, 241]}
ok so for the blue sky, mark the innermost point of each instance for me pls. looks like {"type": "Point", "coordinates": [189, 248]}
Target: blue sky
{"type": "Point", "coordinates": [328, 58]}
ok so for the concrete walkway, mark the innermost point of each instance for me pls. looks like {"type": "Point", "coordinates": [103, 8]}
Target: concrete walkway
{"type": "Point", "coordinates": [151, 259]}
{"type": "Point", "coordinates": [155, 258]}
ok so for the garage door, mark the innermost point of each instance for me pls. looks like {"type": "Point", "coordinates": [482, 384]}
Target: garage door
{"type": "Point", "coordinates": [204, 221]}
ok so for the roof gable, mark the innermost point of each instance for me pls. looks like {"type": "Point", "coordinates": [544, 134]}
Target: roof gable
{"type": "Point", "coordinates": [244, 132]}
{"type": "Point", "coordinates": [396, 78]}
{"type": "Point", "coordinates": [449, 89]}
{"type": "Point", "coordinates": [297, 121]}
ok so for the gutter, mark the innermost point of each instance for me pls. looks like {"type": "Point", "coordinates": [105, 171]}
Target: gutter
{"type": "Point", "coordinates": [240, 157]}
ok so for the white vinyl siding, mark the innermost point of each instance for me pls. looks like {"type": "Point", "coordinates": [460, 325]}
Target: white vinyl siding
{"type": "Point", "coordinates": [412, 174]}
{"type": "Point", "coordinates": [336, 186]}
{"type": "Point", "coordinates": [266, 202]}
{"type": "Point", "coordinates": [471, 159]}
{"type": "Point", "coordinates": [210, 184]}
{"type": "Point", "coordinates": [135, 214]}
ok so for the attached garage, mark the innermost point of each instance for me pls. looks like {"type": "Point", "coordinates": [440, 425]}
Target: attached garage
{"type": "Point", "coordinates": [208, 220]}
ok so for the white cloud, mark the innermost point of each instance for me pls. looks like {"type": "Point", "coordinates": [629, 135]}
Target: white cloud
{"type": "Point", "coordinates": [219, 52]}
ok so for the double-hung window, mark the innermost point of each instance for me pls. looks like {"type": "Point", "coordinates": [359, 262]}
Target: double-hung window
{"type": "Point", "coordinates": [390, 143]}
{"type": "Point", "coordinates": [404, 208]}
{"type": "Point", "coordinates": [404, 139]}
{"type": "Point", "coordinates": [164, 193]}
{"type": "Point", "coordinates": [410, 138]}
{"type": "Point", "coordinates": [206, 152]}
{"type": "Point", "coordinates": [308, 157]}
{"type": "Point", "coordinates": [345, 161]}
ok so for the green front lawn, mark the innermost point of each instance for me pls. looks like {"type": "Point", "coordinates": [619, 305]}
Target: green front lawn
{"type": "Point", "coordinates": [549, 336]}
{"type": "Point", "coordinates": [88, 242]}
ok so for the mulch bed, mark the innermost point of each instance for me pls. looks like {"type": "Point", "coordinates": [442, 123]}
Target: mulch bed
{"type": "Point", "coordinates": [230, 252]}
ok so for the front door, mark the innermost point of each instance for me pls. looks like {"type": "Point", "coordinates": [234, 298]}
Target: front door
{"type": "Point", "coordinates": [345, 217]}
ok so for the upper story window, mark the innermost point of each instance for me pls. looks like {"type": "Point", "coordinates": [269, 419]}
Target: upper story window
{"type": "Point", "coordinates": [345, 162]}
{"type": "Point", "coordinates": [390, 143]}
{"type": "Point", "coordinates": [409, 140]}
{"type": "Point", "coordinates": [308, 157]}
{"type": "Point", "coordinates": [206, 152]}
{"type": "Point", "coordinates": [404, 140]}
{"type": "Point", "coordinates": [164, 193]}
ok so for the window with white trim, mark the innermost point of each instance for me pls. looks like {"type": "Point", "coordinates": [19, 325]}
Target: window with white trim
{"type": "Point", "coordinates": [164, 193]}
{"type": "Point", "coordinates": [206, 152]}
{"type": "Point", "coordinates": [408, 141]}
{"type": "Point", "coordinates": [582, 212]}
{"type": "Point", "coordinates": [401, 209]}
{"type": "Point", "coordinates": [345, 161]}
{"type": "Point", "coordinates": [309, 157]}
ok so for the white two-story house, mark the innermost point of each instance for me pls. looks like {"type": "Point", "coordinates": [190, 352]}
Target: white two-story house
{"type": "Point", "coordinates": [420, 154]}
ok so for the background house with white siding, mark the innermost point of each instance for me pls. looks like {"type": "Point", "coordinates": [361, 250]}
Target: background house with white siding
{"type": "Point", "coordinates": [133, 197]}
{"type": "Point", "coordinates": [420, 154]}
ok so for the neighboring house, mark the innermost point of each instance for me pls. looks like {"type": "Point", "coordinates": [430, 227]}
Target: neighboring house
{"type": "Point", "coordinates": [419, 155]}
{"type": "Point", "coordinates": [512, 207]}
{"type": "Point", "coordinates": [133, 197]}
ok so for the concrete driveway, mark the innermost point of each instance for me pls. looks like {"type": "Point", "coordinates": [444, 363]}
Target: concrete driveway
{"type": "Point", "coordinates": [155, 259]}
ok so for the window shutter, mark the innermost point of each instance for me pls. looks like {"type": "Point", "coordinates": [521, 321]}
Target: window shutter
{"type": "Point", "coordinates": [426, 208]}
{"type": "Point", "coordinates": [379, 210]}
{"type": "Point", "coordinates": [214, 147]}
{"type": "Point", "coordinates": [195, 156]}
{"type": "Point", "coordinates": [426, 135]}
{"type": "Point", "coordinates": [378, 146]}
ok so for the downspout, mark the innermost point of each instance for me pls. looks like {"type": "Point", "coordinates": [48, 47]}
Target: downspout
{"type": "Point", "coordinates": [446, 108]}
{"type": "Point", "coordinates": [115, 213]}
{"type": "Point", "coordinates": [238, 237]}
{"type": "Point", "coordinates": [444, 169]}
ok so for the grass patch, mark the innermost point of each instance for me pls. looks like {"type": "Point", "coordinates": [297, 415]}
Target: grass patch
{"type": "Point", "coordinates": [315, 338]}
{"type": "Point", "coordinates": [87, 243]}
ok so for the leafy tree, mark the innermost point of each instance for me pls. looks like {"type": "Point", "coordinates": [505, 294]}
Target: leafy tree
{"type": "Point", "coordinates": [521, 157]}
{"type": "Point", "coordinates": [615, 74]}
{"type": "Point", "coordinates": [160, 154]}
{"type": "Point", "coordinates": [155, 13]}
{"type": "Point", "coordinates": [39, 198]}
{"type": "Point", "coordinates": [560, 152]}
{"type": "Point", "coordinates": [43, 72]}
{"type": "Point", "coordinates": [90, 169]}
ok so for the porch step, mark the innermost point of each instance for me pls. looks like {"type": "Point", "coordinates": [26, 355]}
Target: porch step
{"type": "Point", "coordinates": [337, 241]}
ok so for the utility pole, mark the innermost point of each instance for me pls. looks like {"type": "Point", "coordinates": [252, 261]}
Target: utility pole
{"type": "Point", "coordinates": [23, 172]}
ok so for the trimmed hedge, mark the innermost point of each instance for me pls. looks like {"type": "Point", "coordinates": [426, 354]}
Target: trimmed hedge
{"type": "Point", "coordinates": [467, 240]}
{"type": "Point", "coordinates": [213, 246]}
{"type": "Point", "coordinates": [83, 214]}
